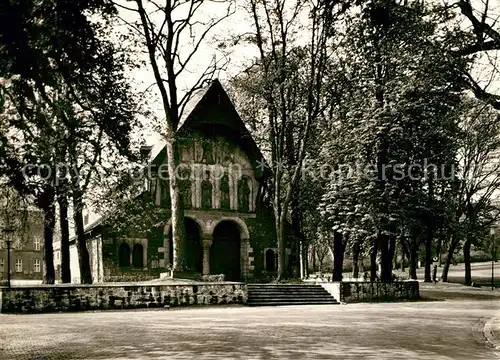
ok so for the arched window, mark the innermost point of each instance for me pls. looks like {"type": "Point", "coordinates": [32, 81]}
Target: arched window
{"type": "Point", "coordinates": [270, 260]}
{"type": "Point", "coordinates": [137, 253]}
{"type": "Point", "coordinates": [124, 255]}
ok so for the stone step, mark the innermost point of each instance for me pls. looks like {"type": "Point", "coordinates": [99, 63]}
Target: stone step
{"type": "Point", "coordinates": [284, 303]}
{"type": "Point", "coordinates": [330, 299]}
{"type": "Point", "coordinates": [308, 287]}
{"type": "Point", "coordinates": [285, 285]}
{"type": "Point", "coordinates": [251, 295]}
{"type": "Point", "coordinates": [279, 291]}
{"type": "Point", "coordinates": [262, 288]}
{"type": "Point", "coordinates": [288, 294]}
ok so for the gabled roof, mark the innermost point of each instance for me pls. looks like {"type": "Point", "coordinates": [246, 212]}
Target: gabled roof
{"type": "Point", "coordinates": [199, 115]}
{"type": "Point", "coordinates": [188, 109]}
{"type": "Point", "coordinates": [195, 99]}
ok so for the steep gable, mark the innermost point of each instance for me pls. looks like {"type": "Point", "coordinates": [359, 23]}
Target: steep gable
{"type": "Point", "coordinates": [211, 112]}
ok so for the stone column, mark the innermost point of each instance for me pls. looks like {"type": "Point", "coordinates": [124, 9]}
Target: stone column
{"type": "Point", "coordinates": [206, 242]}
{"type": "Point", "coordinates": [233, 193]}
{"type": "Point", "coordinates": [244, 246]}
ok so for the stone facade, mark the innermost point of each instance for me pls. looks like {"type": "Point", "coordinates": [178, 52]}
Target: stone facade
{"type": "Point", "coordinates": [108, 297]}
{"type": "Point", "coordinates": [221, 175]}
{"type": "Point", "coordinates": [26, 254]}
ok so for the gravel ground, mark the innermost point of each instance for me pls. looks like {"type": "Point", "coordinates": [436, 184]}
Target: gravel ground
{"type": "Point", "coordinates": [443, 329]}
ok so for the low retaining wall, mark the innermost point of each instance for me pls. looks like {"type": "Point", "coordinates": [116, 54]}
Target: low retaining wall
{"type": "Point", "coordinates": [54, 298]}
{"type": "Point", "coordinates": [359, 291]}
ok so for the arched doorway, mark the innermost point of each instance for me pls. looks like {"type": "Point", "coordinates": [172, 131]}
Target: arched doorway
{"type": "Point", "coordinates": [193, 249]}
{"type": "Point", "coordinates": [137, 256]}
{"type": "Point", "coordinates": [225, 251]}
{"type": "Point", "coordinates": [124, 255]}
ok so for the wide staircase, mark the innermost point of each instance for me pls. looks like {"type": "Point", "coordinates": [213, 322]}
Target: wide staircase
{"type": "Point", "coordinates": [288, 294]}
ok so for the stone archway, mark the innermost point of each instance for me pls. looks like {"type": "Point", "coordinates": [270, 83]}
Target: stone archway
{"type": "Point", "coordinates": [138, 256]}
{"type": "Point", "coordinates": [124, 255]}
{"type": "Point", "coordinates": [225, 252]}
{"type": "Point", "coordinates": [192, 248]}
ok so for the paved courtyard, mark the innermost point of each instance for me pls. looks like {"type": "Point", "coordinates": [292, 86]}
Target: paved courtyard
{"type": "Point", "coordinates": [451, 329]}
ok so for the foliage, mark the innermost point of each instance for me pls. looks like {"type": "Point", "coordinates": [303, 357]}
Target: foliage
{"type": "Point", "coordinates": [66, 108]}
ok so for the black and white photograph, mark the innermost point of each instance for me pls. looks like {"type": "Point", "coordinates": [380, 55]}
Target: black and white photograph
{"type": "Point", "coordinates": [249, 179]}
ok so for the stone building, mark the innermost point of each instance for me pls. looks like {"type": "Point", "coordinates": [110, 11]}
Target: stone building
{"type": "Point", "coordinates": [228, 229]}
{"type": "Point", "coordinates": [26, 253]}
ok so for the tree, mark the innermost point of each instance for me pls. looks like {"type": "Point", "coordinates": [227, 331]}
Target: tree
{"type": "Point", "coordinates": [15, 215]}
{"type": "Point", "coordinates": [475, 210]}
{"type": "Point", "coordinates": [162, 28]}
{"type": "Point", "coordinates": [397, 114]}
{"type": "Point", "coordinates": [64, 84]}
{"type": "Point", "coordinates": [479, 40]}
{"type": "Point", "coordinates": [287, 80]}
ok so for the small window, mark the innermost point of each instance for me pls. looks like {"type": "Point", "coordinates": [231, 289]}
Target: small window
{"type": "Point", "coordinates": [19, 265]}
{"type": "Point", "coordinates": [37, 266]}
{"type": "Point", "coordinates": [2, 265]}
{"type": "Point", "coordinates": [36, 243]}
{"type": "Point", "coordinates": [2, 244]}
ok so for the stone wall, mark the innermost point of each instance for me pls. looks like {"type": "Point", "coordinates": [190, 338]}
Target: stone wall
{"type": "Point", "coordinates": [365, 291]}
{"type": "Point", "coordinates": [55, 298]}
{"type": "Point", "coordinates": [262, 236]}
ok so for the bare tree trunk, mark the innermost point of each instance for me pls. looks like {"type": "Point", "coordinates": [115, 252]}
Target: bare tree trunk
{"type": "Point", "coordinates": [280, 235]}
{"type": "Point", "coordinates": [449, 259]}
{"type": "Point", "coordinates": [446, 268]}
{"type": "Point", "coordinates": [63, 222]}
{"type": "Point", "coordinates": [81, 241]}
{"type": "Point", "coordinates": [306, 260]}
{"type": "Point", "coordinates": [392, 249]}
{"type": "Point", "coordinates": [171, 110]}
{"type": "Point", "coordinates": [386, 243]}
{"type": "Point", "coordinates": [298, 239]}
{"type": "Point", "coordinates": [430, 233]}
{"type": "Point", "coordinates": [338, 256]}
{"type": "Point", "coordinates": [412, 266]}
{"type": "Point", "coordinates": [49, 220]}
{"type": "Point", "coordinates": [373, 260]}
{"type": "Point", "coordinates": [405, 253]}
{"type": "Point", "coordinates": [355, 260]}
{"type": "Point", "coordinates": [468, 275]}
{"type": "Point", "coordinates": [428, 253]}
{"type": "Point", "coordinates": [313, 253]}
{"type": "Point", "coordinates": [176, 207]}
{"type": "Point", "coordinates": [304, 271]}
{"type": "Point", "coordinates": [439, 247]}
